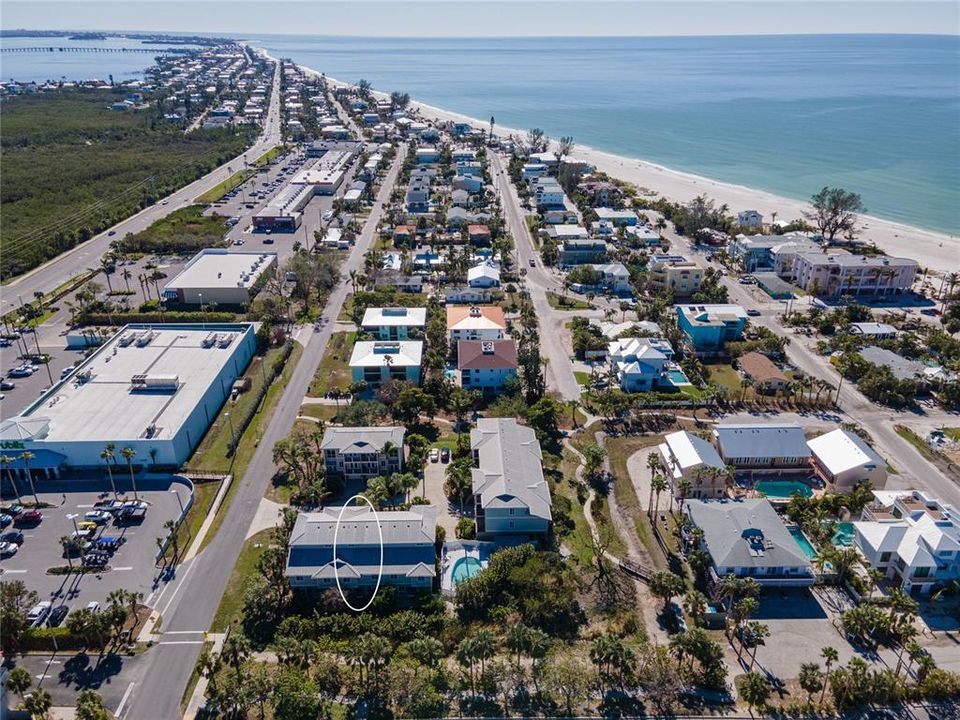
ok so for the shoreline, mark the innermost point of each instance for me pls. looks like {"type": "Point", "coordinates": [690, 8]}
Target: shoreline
{"type": "Point", "coordinates": [937, 251]}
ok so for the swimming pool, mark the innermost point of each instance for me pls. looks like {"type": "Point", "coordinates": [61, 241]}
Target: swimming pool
{"type": "Point", "coordinates": [802, 541]}
{"type": "Point", "coordinates": [465, 568]}
{"type": "Point", "coordinates": [782, 488]}
{"type": "Point", "coordinates": [677, 377]}
{"type": "Point", "coordinates": [843, 534]}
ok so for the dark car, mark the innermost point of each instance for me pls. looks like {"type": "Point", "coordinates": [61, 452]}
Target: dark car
{"type": "Point", "coordinates": [7, 385]}
{"type": "Point", "coordinates": [30, 517]}
{"type": "Point", "coordinates": [753, 312]}
{"type": "Point", "coordinates": [12, 510]}
{"type": "Point", "coordinates": [14, 536]}
{"type": "Point", "coordinates": [5, 520]}
{"type": "Point", "coordinates": [108, 544]}
{"type": "Point", "coordinates": [129, 515]}
{"type": "Point", "coordinates": [57, 615]}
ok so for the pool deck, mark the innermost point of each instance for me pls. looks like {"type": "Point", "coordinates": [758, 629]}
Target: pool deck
{"type": "Point", "coordinates": [456, 550]}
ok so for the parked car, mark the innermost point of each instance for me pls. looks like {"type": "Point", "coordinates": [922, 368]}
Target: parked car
{"type": "Point", "coordinates": [5, 520]}
{"type": "Point", "coordinates": [7, 385]}
{"type": "Point", "coordinates": [8, 548]}
{"type": "Point", "coordinates": [753, 312]}
{"type": "Point", "coordinates": [108, 544]}
{"type": "Point", "coordinates": [445, 454]}
{"type": "Point", "coordinates": [14, 536]}
{"type": "Point", "coordinates": [20, 371]}
{"type": "Point", "coordinates": [93, 606]}
{"type": "Point", "coordinates": [110, 506]}
{"type": "Point", "coordinates": [57, 615]}
{"type": "Point", "coordinates": [533, 262]}
{"type": "Point", "coordinates": [98, 516]}
{"type": "Point", "coordinates": [39, 612]}
{"type": "Point", "coordinates": [11, 510]}
{"type": "Point", "coordinates": [29, 517]}
{"type": "Point", "coordinates": [129, 515]}
{"type": "Point", "coordinates": [95, 559]}
{"type": "Point", "coordinates": [434, 455]}
{"type": "Point", "coordinates": [87, 525]}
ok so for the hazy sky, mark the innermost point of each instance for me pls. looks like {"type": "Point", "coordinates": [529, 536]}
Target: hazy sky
{"type": "Point", "coordinates": [487, 18]}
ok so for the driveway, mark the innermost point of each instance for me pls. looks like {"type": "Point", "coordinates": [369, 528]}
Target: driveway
{"type": "Point", "coordinates": [434, 474]}
{"type": "Point", "coordinates": [640, 477]}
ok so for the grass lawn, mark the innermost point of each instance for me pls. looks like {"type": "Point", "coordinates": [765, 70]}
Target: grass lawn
{"type": "Point", "coordinates": [231, 605]}
{"type": "Point", "coordinates": [320, 412]}
{"type": "Point", "coordinates": [558, 302]}
{"type": "Point", "coordinates": [726, 376]}
{"type": "Point", "coordinates": [222, 188]}
{"type": "Point", "coordinates": [334, 370]}
{"type": "Point", "coordinates": [918, 442]}
{"type": "Point", "coordinates": [346, 312]}
{"type": "Point", "coordinates": [619, 450]}
{"type": "Point", "coordinates": [582, 377]}
{"type": "Point", "coordinates": [952, 433]}
{"type": "Point", "coordinates": [211, 456]}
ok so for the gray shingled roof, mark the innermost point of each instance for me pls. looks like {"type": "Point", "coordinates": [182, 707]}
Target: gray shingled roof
{"type": "Point", "coordinates": [901, 367]}
{"type": "Point", "coordinates": [359, 527]}
{"type": "Point", "coordinates": [361, 439]}
{"type": "Point", "coordinates": [510, 472]}
{"type": "Point", "coordinates": [747, 533]}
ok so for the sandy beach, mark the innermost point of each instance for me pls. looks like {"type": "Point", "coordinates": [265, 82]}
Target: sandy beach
{"type": "Point", "coordinates": [937, 251]}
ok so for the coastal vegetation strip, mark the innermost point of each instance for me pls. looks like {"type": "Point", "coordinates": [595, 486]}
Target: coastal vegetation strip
{"type": "Point", "coordinates": [73, 167]}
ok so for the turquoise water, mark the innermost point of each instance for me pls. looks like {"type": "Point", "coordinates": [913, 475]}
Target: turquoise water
{"type": "Point", "coordinates": [782, 488]}
{"type": "Point", "coordinates": [465, 568]}
{"type": "Point", "coordinates": [678, 377]}
{"type": "Point", "coordinates": [41, 66]}
{"type": "Point", "coordinates": [802, 541]}
{"type": "Point", "coordinates": [843, 534]}
{"type": "Point", "coordinates": [876, 114]}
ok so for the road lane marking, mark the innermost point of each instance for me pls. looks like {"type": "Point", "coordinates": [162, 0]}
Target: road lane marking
{"type": "Point", "coordinates": [182, 642]}
{"type": "Point", "coordinates": [123, 701]}
{"type": "Point", "coordinates": [13, 572]}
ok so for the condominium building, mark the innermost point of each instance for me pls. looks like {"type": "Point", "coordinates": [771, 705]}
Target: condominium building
{"type": "Point", "coordinates": [359, 453]}
{"type": "Point", "coordinates": [834, 275]}
{"type": "Point", "coordinates": [675, 274]}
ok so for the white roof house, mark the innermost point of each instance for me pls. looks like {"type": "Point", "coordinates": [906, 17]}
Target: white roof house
{"type": "Point", "coordinates": [687, 456]}
{"type": "Point", "coordinates": [912, 538]}
{"type": "Point", "coordinates": [402, 353]}
{"type": "Point", "coordinates": [396, 316]}
{"type": "Point", "coordinates": [510, 492]}
{"type": "Point", "coordinates": [484, 275]}
{"type": "Point", "coordinates": [844, 458]}
{"type": "Point", "coordinates": [876, 330]}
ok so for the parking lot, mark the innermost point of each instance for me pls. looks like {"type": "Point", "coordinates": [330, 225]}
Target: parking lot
{"type": "Point", "coordinates": [132, 566]}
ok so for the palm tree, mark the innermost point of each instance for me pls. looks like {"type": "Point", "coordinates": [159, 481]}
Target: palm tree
{"type": "Point", "coordinates": [236, 650]}
{"type": "Point", "coordinates": [38, 703]}
{"type": "Point", "coordinates": [66, 542]}
{"type": "Point", "coordinates": [654, 466]}
{"type": "Point", "coordinates": [830, 656]}
{"type": "Point", "coordinates": [107, 456]}
{"type": "Point", "coordinates": [128, 454]}
{"type": "Point", "coordinates": [660, 225]}
{"type": "Point", "coordinates": [683, 490]}
{"type": "Point", "coordinates": [126, 275]}
{"type": "Point", "coordinates": [6, 461]}
{"type": "Point", "coordinates": [659, 484]}
{"type": "Point", "coordinates": [811, 679]}
{"type": "Point", "coordinates": [27, 456]}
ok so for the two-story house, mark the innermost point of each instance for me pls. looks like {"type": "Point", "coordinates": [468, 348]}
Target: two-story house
{"type": "Point", "coordinates": [511, 496]}
{"type": "Point", "coordinates": [640, 364]}
{"type": "Point", "coordinates": [394, 323]}
{"type": "Point", "coordinates": [485, 322]}
{"type": "Point", "coordinates": [360, 453]}
{"type": "Point", "coordinates": [486, 364]}
{"type": "Point", "coordinates": [708, 327]}
{"type": "Point", "coordinates": [375, 362]}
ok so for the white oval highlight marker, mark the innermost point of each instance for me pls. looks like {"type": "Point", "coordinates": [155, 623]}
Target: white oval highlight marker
{"type": "Point", "coordinates": [336, 572]}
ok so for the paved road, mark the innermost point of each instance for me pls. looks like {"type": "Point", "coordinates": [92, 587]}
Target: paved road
{"type": "Point", "coordinates": [560, 375]}
{"type": "Point", "coordinates": [189, 605]}
{"type": "Point", "coordinates": [87, 255]}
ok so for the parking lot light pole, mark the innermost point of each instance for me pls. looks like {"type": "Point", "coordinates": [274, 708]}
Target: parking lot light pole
{"type": "Point", "coordinates": [174, 492]}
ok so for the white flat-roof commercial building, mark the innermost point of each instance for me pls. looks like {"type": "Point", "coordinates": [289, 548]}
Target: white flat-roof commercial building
{"type": "Point", "coordinates": [220, 276]}
{"type": "Point", "coordinates": [154, 388]}
{"type": "Point", "coordinates": [327, 173]}
{"type": "Point", "coordinates": [284, 211]}
{"type": "Point", "coordinates": [844, 459]}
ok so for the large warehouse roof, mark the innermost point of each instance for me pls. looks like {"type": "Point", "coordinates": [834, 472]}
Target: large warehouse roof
{"type": "Point", "coordinates": [143, 383]}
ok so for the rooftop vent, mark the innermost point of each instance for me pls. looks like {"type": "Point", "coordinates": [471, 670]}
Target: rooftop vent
{"type": "Point", "coordinates": [475, 311]}
{"type": "Point", "coordinates": [487, 347]}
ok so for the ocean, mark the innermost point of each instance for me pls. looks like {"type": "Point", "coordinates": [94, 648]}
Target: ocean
{"type": "Point", "coordinates": [42, 66]}
{"type": "Point", "coordinates": [879, 115]}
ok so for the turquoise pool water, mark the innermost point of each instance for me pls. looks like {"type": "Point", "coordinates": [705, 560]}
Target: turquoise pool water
{"type": "Point", "coordinates": [465, 568]}
{"type": "Point", "coordinates": [802, 541]}
{"type": "Point", "coordinates": [843, 534]}
{"type": "Point", "coordinates": [678, 378]}
{"type": "Point", "coordinates": [782, 488]}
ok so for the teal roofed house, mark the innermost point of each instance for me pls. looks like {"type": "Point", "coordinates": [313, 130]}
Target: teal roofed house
{"type": "Point", "coordinates": [709, 327]}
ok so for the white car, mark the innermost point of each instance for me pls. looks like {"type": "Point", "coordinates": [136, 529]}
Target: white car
{"type": "Point", "coordinates": [98, 516]}
{"type": "Point", "coordinates": [327, 215]}
{"type": "Point", "coordinates": [434, 455]}
{"type": "Point", "coordinates": [8, 548]}
{"type": "Point", "coordinates": [38, 613]}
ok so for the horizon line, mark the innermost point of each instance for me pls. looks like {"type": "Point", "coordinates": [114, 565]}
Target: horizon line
{"type": "Point", "coordinates": [244, 35]}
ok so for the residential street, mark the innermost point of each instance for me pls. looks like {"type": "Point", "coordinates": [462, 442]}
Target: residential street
{"type": "Point", "coordinates": [188, 606]}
